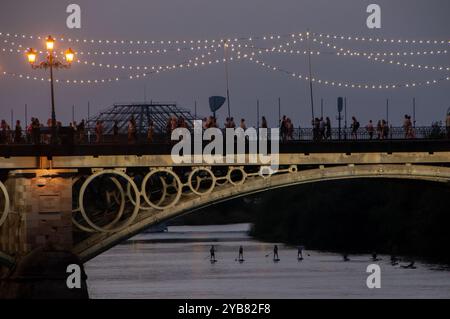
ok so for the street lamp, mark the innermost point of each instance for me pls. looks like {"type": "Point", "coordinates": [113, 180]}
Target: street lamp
{"type": "Point", "coordinates": [51, 63]}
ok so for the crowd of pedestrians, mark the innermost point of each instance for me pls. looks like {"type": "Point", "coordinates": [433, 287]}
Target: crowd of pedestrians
{"type": "Point", "coordinates": [322, 129]}
{"type": "Point", "coordinates": [37, 133]}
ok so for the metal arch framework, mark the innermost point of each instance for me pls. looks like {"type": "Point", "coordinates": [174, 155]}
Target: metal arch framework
{"type": "Point", "coordinates": [4, 214]}
{"type": "Point", "coordinates": [188, 196]}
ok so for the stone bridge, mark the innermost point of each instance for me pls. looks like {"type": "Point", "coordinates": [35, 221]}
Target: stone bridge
{"type": "Point", "coordinates": [87, 199]}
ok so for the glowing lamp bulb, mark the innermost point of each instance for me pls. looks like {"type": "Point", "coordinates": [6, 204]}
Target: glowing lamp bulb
{"type": "Point", "coordinates": [70, 55]}
{"type": "Point", "coordinates": [50, 42]}
{"type": "Point", "coordinates": [31, 54]}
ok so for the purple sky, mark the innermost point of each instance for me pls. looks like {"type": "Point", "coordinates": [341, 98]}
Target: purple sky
{"type": "Point", "coordinates": [213, 19]}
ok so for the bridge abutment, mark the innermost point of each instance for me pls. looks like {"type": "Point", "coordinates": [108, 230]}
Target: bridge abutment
{"type": "Point", "coordinates": [40, 213]}
{"type": "Point", "coordinates": [37, 234]}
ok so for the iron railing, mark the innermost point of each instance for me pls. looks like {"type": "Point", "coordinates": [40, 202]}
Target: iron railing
{"type": "Point", "coordinates": [67, 136]}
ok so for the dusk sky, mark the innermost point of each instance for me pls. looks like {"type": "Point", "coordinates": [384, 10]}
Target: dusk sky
{"type": "Point", "coordinates": [213, 19]}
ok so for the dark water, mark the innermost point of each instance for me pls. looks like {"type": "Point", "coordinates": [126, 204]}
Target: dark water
{"type": "Point", "coordinates": [176, 265]}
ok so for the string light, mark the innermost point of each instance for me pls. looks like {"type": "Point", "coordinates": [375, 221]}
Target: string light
{"type": "Point", "coordinates": [377, 57]}
{"type": "Point", "coordinates": [341, 84]}
{"type": "Point", "coordinates": [193, 63]}
{"type": "Point", "coordinates": [380, 57]}
{"type": "Point", "coordinates": [129, 67]}
{"type": "Point", "coordinates": [379, 40]}
{"type": "Point", "coordinates": [153, 42]}
{"type": "Point", "coordinates": [230, 40]}
{"type": "Point", "coordinates": [131, 52]}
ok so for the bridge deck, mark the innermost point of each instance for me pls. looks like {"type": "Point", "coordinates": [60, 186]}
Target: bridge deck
{"type": "Point", "coordinates": [20, 157]}
{"type": "Point", "coordinates": [295, 147]}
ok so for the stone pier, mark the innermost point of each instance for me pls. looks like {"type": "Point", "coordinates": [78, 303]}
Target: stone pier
{"type": "Point", "coordinates": [37, 235]}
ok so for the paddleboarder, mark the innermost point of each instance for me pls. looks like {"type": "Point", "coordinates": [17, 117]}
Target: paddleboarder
{"type": "Point", "coordinates": [241, 253]}
{"type": "Point", "coordinates": [212, 253]}
{"type": "Point", "coordinates": [300, 252]}
{"type": "Point", "coordinates": [275, 253]}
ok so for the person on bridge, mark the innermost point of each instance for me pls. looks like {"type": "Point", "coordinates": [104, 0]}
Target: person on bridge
{"type": "Point", "coordinates": [408, 127]}
{"type": "Point", "coordinates": [275, 253]}
{"type": "Point", "coordinates": [355, 127]}
{"type": "Point", "coordinates": [5, 133]}
{"type": "Point", "coordinates": [132, 136]}
{"type": "Point", "coordinates": [18, 133]}
{"type": "Point", "coordinates": [283, 129]}
{"type": "Point", "coordinates": [36, 131]}
{"type": "Point", "coordinates": [241, 253]}
{"type": "Point", "coordinates": [447, 122]}
{"type": "Point", "coordinates": [212, 253]}
{"type": "Point", "coordinates": [264, 122]}
{"type": "Point", "coordinates": [99, 132]}
{"type": "Point", "coordinates": [243, 125]}
{"type": "Point", "coordinates": [116, 132]}
{"type": "Point", "coordinates": [150, 132]}
{"type": "Point", "coordinates": [385, 129]}
{"type": "Point", "coordinates": [370, 129]}
{"type": "Point", "coordinates": [80, 132]}
{"type": "Point", "coordinates": [328, 129]}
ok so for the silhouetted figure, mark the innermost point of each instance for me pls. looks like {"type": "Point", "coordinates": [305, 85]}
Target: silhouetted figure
{"type": "Point", "coordinates": [300, 252]}
{"type": "Point", "coordinates": [328, 128]}
{"type": "Point", "coordinates": [116, 132]}
{"type": "Point", "coordinates": [212, 254]}
{"type": "Point", "coordinates": [99, 132]}
{"type": "Point", "coordinates": [241, 253]}
{"type": "Point", "coordinates": [394, 260]}
{"type": "Point", "coordinates": [410, 266]}
{"type": "Point", "coordinates": [80, 131]}
{"type": "Point", "coordinates": [36, 131]}
{"type": "Point", "coordinates": [375, 256]}
{"type": "Point", "coordinates": [370, 129]}
{"type": "Point", "coordinates": [447, 123]}
{"type": "Point", "coordinates": [132, 132]}
{"type": "Point", "coordinates": [275, 253]}
{"type": "Point", "coordinates": [345, 257]}
{"type": "Point", "coordinates": [18, 133]}
{"type": "Point", "coordinates": [150, 132]}
{"type": "Point", "coordinates": [355, 127]}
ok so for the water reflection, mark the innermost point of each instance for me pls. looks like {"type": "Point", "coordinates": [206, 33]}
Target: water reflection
{"type": "Point", "coordinates": [176, 265]}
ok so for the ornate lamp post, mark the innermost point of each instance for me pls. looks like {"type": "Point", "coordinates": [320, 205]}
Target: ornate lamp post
{"type": "Point", "coordinates": [51, 63]}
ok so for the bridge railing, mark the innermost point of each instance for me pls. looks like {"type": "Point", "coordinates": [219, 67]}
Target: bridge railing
{"type": "Point", "coordinates": [391, 133]}
{"type": "Point", "coordinates": [68, 136]}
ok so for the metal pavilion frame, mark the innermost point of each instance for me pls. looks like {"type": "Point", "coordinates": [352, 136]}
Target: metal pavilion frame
{"type": "Point", "coordinates": [158, 112]}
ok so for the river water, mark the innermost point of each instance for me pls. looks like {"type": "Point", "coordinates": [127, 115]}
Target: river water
{"type": "Point", "coordinates": [176, 264]}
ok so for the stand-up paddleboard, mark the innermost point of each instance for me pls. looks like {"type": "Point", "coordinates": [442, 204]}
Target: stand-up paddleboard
{"type": "Point", "coordinates": [241, 261]}
{"type": "Point", "coordinates": [300, 259]}
{"type": "Point", "coordinates": [276, 260]}
{"type": "Point", "coordinates": [213, 261]}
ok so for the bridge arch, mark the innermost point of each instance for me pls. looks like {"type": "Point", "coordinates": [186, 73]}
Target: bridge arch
{"type": "Point", "coordinates": [98, 243]}
{"type": "Point", "coordinates": [5, 212]}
